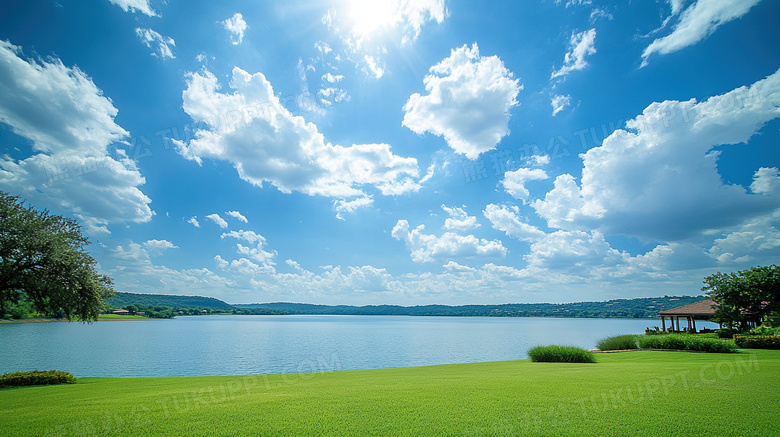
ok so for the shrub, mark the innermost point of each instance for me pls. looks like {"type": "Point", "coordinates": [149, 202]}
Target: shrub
{"type": "Point", "coordinates": [764, 330]}
{"type": "Point", "coordinates": [726, 332]}
{"type": "Point", "coordinates": [560, 354]}
{"type": "Point", "coordinates": [758, 341]}
{"type": "Point", "coordinates": [686, 342]}
{"type": "Point", "coordinates": [19, 379]}
{"type": "Point", "coordinates": [620, 342]}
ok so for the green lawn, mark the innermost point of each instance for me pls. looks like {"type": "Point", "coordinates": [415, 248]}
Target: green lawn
{"type": "Point", "coordinates": [629, 393]}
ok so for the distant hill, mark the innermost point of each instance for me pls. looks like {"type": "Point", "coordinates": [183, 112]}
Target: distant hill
{"type": "Point", "coordinates": [617, 308]}
{"type": "Point", "coordinates": [122, 299]}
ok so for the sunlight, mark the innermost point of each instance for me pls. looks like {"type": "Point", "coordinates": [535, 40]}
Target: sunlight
{"type": "Point", "coordinates": [369, 17]}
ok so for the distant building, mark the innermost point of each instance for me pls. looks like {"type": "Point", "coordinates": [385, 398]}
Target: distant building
{"type": "Point", "coordinates": [701, 310]}
{"type": "Point", "coordinates": [122, 312]}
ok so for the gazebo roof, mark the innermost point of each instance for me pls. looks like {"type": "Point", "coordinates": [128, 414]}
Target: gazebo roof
{"type": "Point", "coordinates": [702, 308]}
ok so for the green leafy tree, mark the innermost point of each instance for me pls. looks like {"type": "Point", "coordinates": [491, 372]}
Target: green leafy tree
{"type": "Point", "coordinates": [748, 294]}
{"type": "Point", "coordinates": [43, 261]}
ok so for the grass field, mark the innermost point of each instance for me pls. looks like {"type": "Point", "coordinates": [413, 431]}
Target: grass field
{"type": "Point", "coordinates": [628, 393]}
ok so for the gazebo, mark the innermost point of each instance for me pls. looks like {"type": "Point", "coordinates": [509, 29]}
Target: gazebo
{"type": "Point", "coordinates": [701, 310]}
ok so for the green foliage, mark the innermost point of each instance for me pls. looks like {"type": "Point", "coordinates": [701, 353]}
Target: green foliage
{"type": "Point", "coordinates": [43, 261]}
{"type": "Point", "coordinates": [687, 342]}
{"type": "Point", "coordinates": [726, 332]}
{"type": "Point", "coordinates": [36, 377]}
{"type": "Point", "coordinates": [758, 341]}
{"type": "Point", "coordinates": [764, 330]}
{"type": "Point", "coordinates": [627, 308]}
{"type": "Point", "coordinates": [560, 354]}
{"type": "Point", "coordinates": [121, 300]}
{"type": "Point", "coordinates": [620, 342]}
{"type": "Point", "coordinates": [746, 295]}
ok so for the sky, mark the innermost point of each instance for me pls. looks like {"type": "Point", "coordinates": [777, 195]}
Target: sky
{"type": "Point", "coordinates": [400, 152]}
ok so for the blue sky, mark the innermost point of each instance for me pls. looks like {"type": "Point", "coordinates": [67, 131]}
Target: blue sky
{"type": "Point", "coordinates": [398, 152]}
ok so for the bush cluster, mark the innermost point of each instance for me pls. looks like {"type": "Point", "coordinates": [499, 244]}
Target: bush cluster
{"type": "Point", "coordinates": [726, 332]}
{"type": "Point", "coordinates": [560, 354]}
{"type": "Point", "coordinates": [758, 341]}
{"type": "Point", "coordinates": [620, 342]}
{"type": "Point", "coordinates": [36, 377]}
{"type": "Point", "coordinates": [686, 342]}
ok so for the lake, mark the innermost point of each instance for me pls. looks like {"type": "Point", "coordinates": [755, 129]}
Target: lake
{"type": "Point", "coordinates": [238, 345]}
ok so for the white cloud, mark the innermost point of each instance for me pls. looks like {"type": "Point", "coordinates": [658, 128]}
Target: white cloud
{"type": "Point", "coordinates": [581, 45]}
{"type": "Point", "coordinates": [659, 180]}
{"type": "Point", "coordinates": [350, 206]}
{"type": "Point", "coordinates": [430, 248]}
{"type": "Point", "coordinates": [141, 6]}
{"type": "Point", "coordinates": [218, 220]}
{"type": "Point", "coordinates": [236, 26]}
{"type": "Point", "coordinates": [251, 129]}
{"type": "Point", "coordinates": [160, 45]}
{"type": "Point", "coordinates": [373, 67]}
{"type": "Point", "coordinates": [258, 252]}
{"type": "Point", "coordinates": [559, 103]}
{"type": "Point", "coordinates": [158, 247]}
{"type": "Point", "coordinates": [71, 124]}
{"type": "Point", "coordinates": [756, 242]}
{"type": "Point", "coordinates": [507, 219]}
{"type": "Point", "coordinates": [194, 222]}
{"type": "Point", "coordinates": [766, 181]}
{"type": "Point", "coordinates": [575, 253]}
{"type": "Point", "coordinates": [696, 23]}
{"type": "Point", "coordinates": [514, 181]}
{"type": "Point", "coordinates": [238, 216]}
{"type": "Point", "coordinates": [459, 220]}
{"type": "Point", "coordinates": [468, 102]}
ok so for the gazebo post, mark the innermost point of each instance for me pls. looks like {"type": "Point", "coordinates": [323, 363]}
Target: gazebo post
{"type": "Point", "coordinates": [663, 323]}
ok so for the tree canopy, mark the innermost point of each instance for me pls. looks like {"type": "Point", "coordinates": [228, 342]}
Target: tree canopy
{"type": "Point", "coordinates": [750, 294]}
{"type": "Point", "coordinates": [43, 261]}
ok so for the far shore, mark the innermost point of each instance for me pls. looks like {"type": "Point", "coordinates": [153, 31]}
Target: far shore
{"type": "Point", "coordinates": [113, 318]}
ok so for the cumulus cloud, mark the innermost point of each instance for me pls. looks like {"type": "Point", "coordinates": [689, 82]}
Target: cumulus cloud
{"type": "Point", "coordinates": [238, 216]}
{"type": "Point", "coordinates": [194, 222]}
{"type": "Point", "coordinates": [253, 130]}
{"type": "Point", "coordinates": [430, 248]}
{"type": "Point", "coordinates": [236, 26]}
{"type": "Point", "coordinates": [696, 23]}
{"type": "Point", "coordinates": [658, 180]}
{"type": "Point", "coordinates": [459, 220]}
{"type": "Point", "coordinates": [507, 219]}
{"type": "Point", "coordinates": [576, 253]}
{"type": "Point", "coordinates": [158, 247]}
{"type": "Point", "coordinates": [514, 181]}
{"type": "Point", "coordinates": [581, 45]}
{"type": "Point", "coordinates": [141, 6]}
{"type": "Point", "coordinates": [218, 220]}
{"type": "Point", "coordinates": [160, 45]}
{"type": "Point", "coordinates": [257, 252]}
{"type": "Point", "coordinates": [350, 206]}
{"type": "Point", "coordinates": [468, 102]}
{"type": "Point", "coordinates": [70, 124]}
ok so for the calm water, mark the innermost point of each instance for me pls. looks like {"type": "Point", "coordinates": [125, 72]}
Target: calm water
{"type": "Point", "coordinates": [236, 345]}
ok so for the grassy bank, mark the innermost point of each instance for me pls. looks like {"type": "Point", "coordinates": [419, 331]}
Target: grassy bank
{"type": "Point", "coordinates": [630, 393]}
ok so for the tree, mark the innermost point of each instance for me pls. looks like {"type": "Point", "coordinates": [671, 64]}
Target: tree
{"type": "Point", "coordinates": [43, 261]}
{"type": "Point", "coordinates": [750, 294]}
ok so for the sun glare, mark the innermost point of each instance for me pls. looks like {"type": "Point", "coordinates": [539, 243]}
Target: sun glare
{"type": "Point", "coordinates": [370, 17]}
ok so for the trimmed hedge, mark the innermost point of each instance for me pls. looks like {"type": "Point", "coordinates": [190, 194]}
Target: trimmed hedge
{"type": "Point", "coordinates": [36, 377]}
{"type": "Point", "coordinates": [560, 354]}
{"type": "Point", "coordinates": [686, 342]}
{"type": "Point", "coordinates": [758, 341]}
